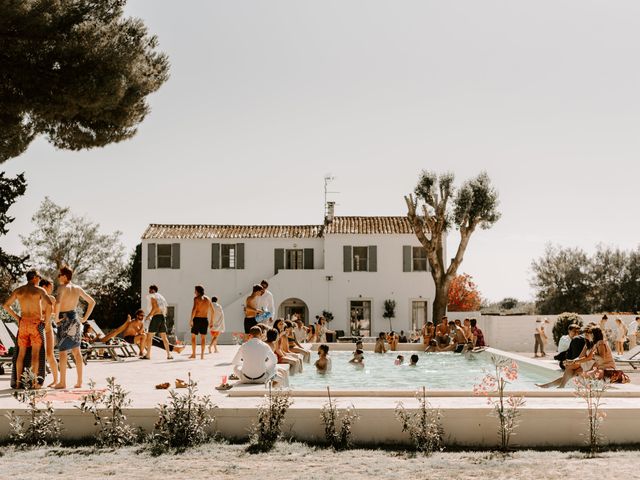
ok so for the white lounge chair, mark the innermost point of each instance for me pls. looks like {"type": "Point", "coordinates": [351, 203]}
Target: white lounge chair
{"type": "Point", "coordinates": [632, 357]}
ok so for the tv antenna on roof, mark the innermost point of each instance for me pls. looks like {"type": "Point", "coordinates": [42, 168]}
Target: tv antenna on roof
{"type": "Point", "coordinates": [328, 178]}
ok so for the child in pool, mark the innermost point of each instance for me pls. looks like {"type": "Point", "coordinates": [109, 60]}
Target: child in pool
{"type": "Point", "coordinates": [399, 360]}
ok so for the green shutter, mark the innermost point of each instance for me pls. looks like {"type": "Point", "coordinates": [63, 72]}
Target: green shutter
{"type": "Point", "coordinates": [278, 260]}
{"type": "Point", "coordinates": [151, 256]}
{"type": "Point", "coordinates": [373, 258]}
{"type": "Point", "coordinates": [407, 258]}
{"type": "Point", "coordinates": [308, 258]}
{"type": "Point", "coordinates": [347, 260]}
{"type": "Point", "coordinates": [215, 256]}
{"type": "Point", "coordinates": [240, 256]}
{"type": "Point", "coordinates": [175, 255]}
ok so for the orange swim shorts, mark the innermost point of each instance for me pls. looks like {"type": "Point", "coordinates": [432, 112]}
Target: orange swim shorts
{"type": "Point", "coordinates": [28, 333]}
{"type": "Point", "coordinates": [214, 334]}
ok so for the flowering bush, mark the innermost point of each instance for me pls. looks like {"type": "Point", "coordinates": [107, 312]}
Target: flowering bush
{"type": "Point", "coordinates": [493, 385]}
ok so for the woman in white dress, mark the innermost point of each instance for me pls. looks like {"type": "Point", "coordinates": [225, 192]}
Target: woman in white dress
{"type": "Point", "coordinates": [621, 336]}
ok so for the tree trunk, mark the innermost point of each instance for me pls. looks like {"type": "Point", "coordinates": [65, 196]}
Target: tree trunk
{"type": "Point", "coordinates": [440, 302]}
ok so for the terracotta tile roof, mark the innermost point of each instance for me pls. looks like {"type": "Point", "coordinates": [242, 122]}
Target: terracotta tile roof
{"type": "Point", "coordinates": [232, 231]}
{"type": "Point", "coordinates": [340, 225]}
{"type": "Point", "coordinates": [369, 226]}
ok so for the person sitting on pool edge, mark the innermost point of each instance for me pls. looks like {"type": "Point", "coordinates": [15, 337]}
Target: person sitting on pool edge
{"type": "Point", "coordinates": [255, 362]}
{"type": "Point", "coordinates": [380, 347]}
{"type": "Point", "coordinates": [323, 364]}
{"type": "Point", "coordinates": [414, 360]}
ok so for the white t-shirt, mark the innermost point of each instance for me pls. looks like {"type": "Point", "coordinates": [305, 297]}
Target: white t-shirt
{"type": "Point", "coordinates": [218, 318]}
{"type": "Point", "coordinates": [256, 358]}
{"type": "Point", "coordinates": [632, 327]}
{"type": "Point", "coordinates": [563, 343]}
{"type": "Point", "coordinates": [266, 302]}
{"type": "Point", "coordinates": [160, 300]}
{"type": "Point", "coordinates": [300, 334]}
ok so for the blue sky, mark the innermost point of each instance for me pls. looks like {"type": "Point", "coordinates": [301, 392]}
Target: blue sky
{"type": "Point", "coordinates": [265, 98]}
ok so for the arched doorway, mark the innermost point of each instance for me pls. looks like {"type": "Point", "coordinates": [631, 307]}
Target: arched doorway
{"type": "Point", "coordinates": [291, 306]}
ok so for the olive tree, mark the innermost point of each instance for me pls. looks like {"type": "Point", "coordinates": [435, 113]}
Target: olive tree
{"type": "Point", "coordinates": [75, 71]}
{"type": "Point", "coordinates": [437, 206]}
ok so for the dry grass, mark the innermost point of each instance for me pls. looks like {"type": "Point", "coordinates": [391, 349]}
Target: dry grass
{"type": "Point", "coordinates": [297, 461]}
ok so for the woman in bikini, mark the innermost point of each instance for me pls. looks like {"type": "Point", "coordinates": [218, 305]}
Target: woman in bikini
{"type": "Point", "coordinates": [312, 336]}
{"type": "Point", "coordinates": [283, 346]}
{"type": "Point", "coordinates": [428, 331]}
{"type": "Point", "coordinates": [293, 344]}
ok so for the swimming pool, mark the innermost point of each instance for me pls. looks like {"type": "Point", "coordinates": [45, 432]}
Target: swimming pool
{"type": "Point", "coordinates": [442, 371]}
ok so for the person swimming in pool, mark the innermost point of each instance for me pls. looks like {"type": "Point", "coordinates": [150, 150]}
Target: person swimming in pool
{"type": "Point", "coordinates": [399, 360]}
{"type": "Point", "coordinates": [358, 358]}
{"type": "Point", "coordinates": [323, 364]}
{"type": "Point", "coordinates": [414, 360]}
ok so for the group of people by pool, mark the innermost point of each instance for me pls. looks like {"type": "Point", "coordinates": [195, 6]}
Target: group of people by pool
{"type": "Point", "coordinates": [586, 352]}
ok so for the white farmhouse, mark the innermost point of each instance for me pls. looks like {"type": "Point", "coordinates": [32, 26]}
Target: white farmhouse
{"type": "Point", "coordinates": [348, 266]}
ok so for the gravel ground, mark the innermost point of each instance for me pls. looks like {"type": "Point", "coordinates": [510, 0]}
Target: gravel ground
{"type": "Point", "coordinates": [296, 461]}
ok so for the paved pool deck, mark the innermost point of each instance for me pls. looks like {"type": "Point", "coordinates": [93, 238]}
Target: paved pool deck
{"type": "Point", "coordinates": [550, 416]}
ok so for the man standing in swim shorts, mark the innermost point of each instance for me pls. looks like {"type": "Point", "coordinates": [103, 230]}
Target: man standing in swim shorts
{"type": "Point", "coordinates": [199, 323]}
{"type": "Point", "coordinates": [69, 327]}
{"type": "Point", "coordinates": [29, 297]}
{"type": "Point", "coordinates": [251, 309]}
{"type": "Point", "coordinates": [158, 323]}
{"type": "Point", "coordinates": [218, 324]}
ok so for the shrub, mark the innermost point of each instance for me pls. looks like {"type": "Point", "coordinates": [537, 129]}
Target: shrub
{"type": "Point", "coordinates": [107, 410]}
{"type": "Point", "coordinates": [42, 427]}
{"type": "Point", "coordinates": [591, 390]}
{"type": "Point", "coordinates": [424, 426]}
{"type": "Point", "coordinates": [268, 429]}
{"type": "Point", "coordinates": [561, 327]}
{"type": "Point", "coordinates": [183, 422]}
{"type": "Point", "coordinates": [340, 438]}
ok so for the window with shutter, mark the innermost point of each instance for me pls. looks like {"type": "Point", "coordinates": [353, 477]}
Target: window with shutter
{"type": "Point", "coordinates": [420, 261]}
{"type": "Point", "coordinates": [308, 258]}
{"type": "Point", "coordinates": [228, 255]}
{"type": "Point", "coordinates": [406, 258]}
{"type": "Point", "coordinates": [164, 255]}
{"type": "Point", "coordinates": [175, 255]}
{"type": "Point", "coordinates": [373, 258]}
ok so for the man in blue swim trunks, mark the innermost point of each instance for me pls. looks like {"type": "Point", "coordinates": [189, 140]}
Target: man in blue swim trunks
{"type": "Point", "coordinates": [69, 326]}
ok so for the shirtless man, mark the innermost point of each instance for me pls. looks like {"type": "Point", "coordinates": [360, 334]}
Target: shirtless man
{"type": "Point", "coordinates": [69, 327]}
{"type": "Point", "coordinates": [134, 330]}
{"type": "Point", "coordinates": [199, 322]}
{"type": "Point", "coordinates": [157, 317]}
{"type": "Point", "coordinates": [251, 309]}
{"type": "Point", "coordinates": [442, 333]}
{"type": "Point", "coordinates": [30, 297]}
{"type": "Point", "coordinates": [49, 334]}
{"type": "Point", "coordinates": [460, 340]}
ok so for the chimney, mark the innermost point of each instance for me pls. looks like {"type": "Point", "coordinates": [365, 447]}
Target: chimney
{"type": "Point", "coordinates": [331, 206]}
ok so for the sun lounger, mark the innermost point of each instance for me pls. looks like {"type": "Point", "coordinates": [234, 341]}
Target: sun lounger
{"type": "Point", "coordinates": [8, 342]}
{"type": "Point", "coordinates": [125, 347]}
{"type": "Point", "coordinates": [632, 357]}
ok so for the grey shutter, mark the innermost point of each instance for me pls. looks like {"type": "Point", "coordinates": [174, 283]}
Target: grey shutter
{"type": "Point", "coordinates": [373, 258]}
{"type": "Point", "coordinates": [407, 257]}
{"type": "Point", "coordinates": [347, 261]}
{"type": "Point", "coordinates": [278, 260]}
{"type": "Point", "coordinates": [308, 258]}
{"type": "Point", "coordinates": [151, 256]}
{"type": "Point", "coordinates": [175, 255]}
{"type": "Point", "coordinates": [240, 256]}
{"type": "Point", "coordinates": [215, 256]}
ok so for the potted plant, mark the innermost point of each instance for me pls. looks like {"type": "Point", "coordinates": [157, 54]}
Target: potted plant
{"type": "Point", "coordinates": [389, 311]}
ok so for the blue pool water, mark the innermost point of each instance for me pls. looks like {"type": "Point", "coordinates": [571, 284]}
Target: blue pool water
{"type": "Point", "coordinates": [444, 371]}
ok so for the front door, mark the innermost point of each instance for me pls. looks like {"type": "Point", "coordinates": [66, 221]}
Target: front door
{"type": "Point", "coordinates": [360, 323]}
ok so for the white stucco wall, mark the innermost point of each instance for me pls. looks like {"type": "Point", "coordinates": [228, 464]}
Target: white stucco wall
{"type": "Point", "coordinates": [231, 286]}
